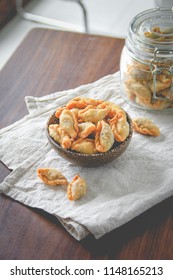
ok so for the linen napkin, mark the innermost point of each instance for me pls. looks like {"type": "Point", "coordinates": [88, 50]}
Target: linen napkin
{"type": "Point", "coordinates": [117, 192]}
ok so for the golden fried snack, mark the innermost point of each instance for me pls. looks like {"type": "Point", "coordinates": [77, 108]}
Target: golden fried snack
{"type": "Point", "coordinates": [93, 114]}
{"type": "Point", "coordinates": [51, 176]}
{"type": "Point", "coordinates": [60, 136]}
{"type": "Point", "coordinates": [139, 89]}
{"type": "Point", "coordinates": [82, 102]}
{"type": "Point", "coordinates": [76, 188]}
{"type": "Point", "coordinates": [164, 78]}
{"type": "Point", "coordinates": [159, 85]}
{"type": "Point", "coordinates": [139, 73]}
{"type": "Point", "coordinates": [76, 129]}
{"type": "Point", "coordinates": [145, 126]}
{"type": "Point", "coordinates": [119, 126]}
{"type": "Point", "coordinates": [84, 146]}
{"type": "Point", "coordinates": [160, 35]}
{"type": "Point", "coordinates": [54, 132]}
{"type": "Point", "coordinates": [59, 111]}
{"type": "Point", "coordinates": [68, 122]}
{"type": "Point", "coordinates": [65, 139]}
{"type": "Point", "coordinates": [114, 108]}
{"type": "Point", "coordinates": [166, 94]}
{"type": "Point", "coordinates": [85, 129]}
{"type": "Point", "coordinates": [75, 111]}
{"type": "Point", "coordinates": [104, 138]}
{"type": "Point", "coordinates": [156, 105]}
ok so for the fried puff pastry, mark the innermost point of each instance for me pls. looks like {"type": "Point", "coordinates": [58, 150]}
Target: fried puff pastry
{"type": "Point", "coordinates": [51, 176]}
{"type": "Point", "coordinates": [59, 111]}
{"type": "Point", "coordinates": [104, 138]}
{"type": "Point", "coordinates": [114, 108]}
{"type": "Point", "coordinates": [159, 85]}
{"type": "Point", "coordinates": [76, 188]}
{"type": "Point", "coordinates": [138, 73]}
{"type": "Point", "coordinates": [156, 105]}
{"type": "Point", "coordinates": [69, 123]}
{"type": "Point", "coordinates": [60, 136]}
{"type": "Point", "coordinates": [82, 102]}
{"type": "Point", "coordinates": [139, 89]}
{"type": "Point", "coordinates": [93, 114]}
{"type": "Point", "coordinates": [119, 126]}
{"type": "Point", "coordinates": [84, 146]}
{"type": "Point", "coordinates": [145, 126]}
{"type": "Point", "coordinates": [85, 129]}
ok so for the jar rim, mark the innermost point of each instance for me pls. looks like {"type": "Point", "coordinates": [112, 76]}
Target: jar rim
{"type": "Point", "coordinates": [151, 29]}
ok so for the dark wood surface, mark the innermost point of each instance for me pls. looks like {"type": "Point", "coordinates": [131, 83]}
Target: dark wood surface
{"type": "Point", "coordinates": [45, 62]}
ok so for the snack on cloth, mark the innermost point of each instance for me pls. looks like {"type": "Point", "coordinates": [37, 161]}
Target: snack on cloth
{"type": "Point", "coordinates": [51, 176]}
{"type": "Point", "coordinates": [76, 188]}
{"type": "Point", "coordinates": [145, 126]}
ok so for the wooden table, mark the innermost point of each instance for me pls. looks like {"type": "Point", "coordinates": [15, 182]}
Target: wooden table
{"type": "Point", "coordinates": [45, 62]}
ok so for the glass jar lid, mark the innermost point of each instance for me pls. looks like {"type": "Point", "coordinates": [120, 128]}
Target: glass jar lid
{"type": "Point", "coordinates": [151, 30]}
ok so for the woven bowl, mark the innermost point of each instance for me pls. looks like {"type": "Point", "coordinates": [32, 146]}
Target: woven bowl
{"type": "Point", "coordinates": [90, 160]}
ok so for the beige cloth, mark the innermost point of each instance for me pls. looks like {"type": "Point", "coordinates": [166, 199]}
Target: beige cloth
{"type": "Point", "coordinates": [117, 192]}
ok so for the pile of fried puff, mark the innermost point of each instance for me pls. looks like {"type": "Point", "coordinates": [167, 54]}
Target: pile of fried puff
{"type": "Point", "coordinates": [89, 126]}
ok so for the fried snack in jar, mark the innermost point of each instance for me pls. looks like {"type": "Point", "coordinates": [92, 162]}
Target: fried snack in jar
{"type": "Point", "coordinates": [147, 61]}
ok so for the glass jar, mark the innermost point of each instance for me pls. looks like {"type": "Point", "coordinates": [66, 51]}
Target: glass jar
{"type": "Point", "coordinates": [146, 63]}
